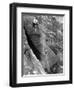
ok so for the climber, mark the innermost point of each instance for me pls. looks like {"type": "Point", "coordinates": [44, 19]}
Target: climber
{"type": "Point", "coordinates": [35, 23]}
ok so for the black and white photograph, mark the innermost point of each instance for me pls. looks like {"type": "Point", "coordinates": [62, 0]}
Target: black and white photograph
{"type": "Point", "coordinates": [42, 44]}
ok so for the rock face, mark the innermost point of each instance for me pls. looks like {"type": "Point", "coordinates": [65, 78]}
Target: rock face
{"type": "Point", "coordinates": [34, 43]}
{"type": "Point", "coordinates": [42, 44]}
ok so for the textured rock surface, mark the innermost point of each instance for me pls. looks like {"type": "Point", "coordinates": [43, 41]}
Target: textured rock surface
{"type": "Point", "coordinates": [44, 43]}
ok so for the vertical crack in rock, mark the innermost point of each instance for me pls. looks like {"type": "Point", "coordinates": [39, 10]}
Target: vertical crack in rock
{"type": "Point", "coordinates": [32, 46]}
{"type": "Point", "coordinates": [35, 56]}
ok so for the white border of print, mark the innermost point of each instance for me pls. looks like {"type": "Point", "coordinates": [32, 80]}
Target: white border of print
{"type": "Point", "coordinates": [43, 78]}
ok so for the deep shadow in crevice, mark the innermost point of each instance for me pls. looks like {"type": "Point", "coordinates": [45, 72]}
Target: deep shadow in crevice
{"type": "Point", "coordinates": [32, 46]}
